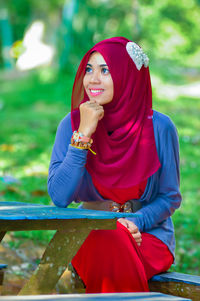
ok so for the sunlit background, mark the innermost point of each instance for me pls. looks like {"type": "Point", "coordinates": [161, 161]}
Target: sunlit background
{"type": "Point", "coordinates": [41, 44]}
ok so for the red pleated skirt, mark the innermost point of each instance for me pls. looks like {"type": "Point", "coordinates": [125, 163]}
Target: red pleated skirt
{"type": "Point", "coordinates": [111, 261]}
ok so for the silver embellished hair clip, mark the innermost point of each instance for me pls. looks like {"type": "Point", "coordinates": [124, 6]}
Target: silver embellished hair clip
{"type": "Point", "coordinates": [137, 55]}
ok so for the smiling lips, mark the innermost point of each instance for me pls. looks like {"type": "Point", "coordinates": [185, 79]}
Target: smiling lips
{"type": "Point", "coordinates": [95, 92]}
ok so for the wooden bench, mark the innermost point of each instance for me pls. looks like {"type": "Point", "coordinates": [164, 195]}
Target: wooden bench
{"type": "Point", "coordinates": [2, 269]}
{"type": "Point", "coordinates": [171, 283]}
{"type": "Point", "coordinates": [177, 284]}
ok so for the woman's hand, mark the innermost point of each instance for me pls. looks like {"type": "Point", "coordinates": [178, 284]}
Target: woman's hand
{"type": "Point", "coordinates": [133, 229]}
{"type": "Point", "coordinates": [90, 114]}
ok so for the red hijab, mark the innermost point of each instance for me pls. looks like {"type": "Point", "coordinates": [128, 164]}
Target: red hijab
{"type": "Point", "coordinates": [128, 156]}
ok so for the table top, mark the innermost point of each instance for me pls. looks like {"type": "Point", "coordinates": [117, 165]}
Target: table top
{"type": "Point", "coordinates": [93, 297]}
{"type": "Point", "coordinates": [27, 211]}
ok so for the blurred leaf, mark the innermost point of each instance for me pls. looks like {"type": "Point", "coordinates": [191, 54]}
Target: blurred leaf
{"type": "Point", "coordinates": [7, 148]}
{"type": "Point", "coordinates": [38, 192]}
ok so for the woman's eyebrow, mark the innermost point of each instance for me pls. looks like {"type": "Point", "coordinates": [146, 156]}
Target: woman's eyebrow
{"type": "Point", "coordinates": [101, 65]}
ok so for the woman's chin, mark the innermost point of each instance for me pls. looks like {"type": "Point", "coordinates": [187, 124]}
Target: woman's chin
{"type": "Point", "coordinates": [100, 100]}
{"type": "Point", "coordinates": [97, 100]}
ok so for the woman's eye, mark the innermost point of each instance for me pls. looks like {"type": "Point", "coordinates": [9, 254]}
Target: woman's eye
{"type": "Point", "coordinates": [88, 69]}
{"type": "Point", "coordinates": [105, 70]}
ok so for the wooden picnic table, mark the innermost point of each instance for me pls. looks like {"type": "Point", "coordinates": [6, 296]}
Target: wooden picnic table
{"type": "Point", "coordinates": [72, 227]}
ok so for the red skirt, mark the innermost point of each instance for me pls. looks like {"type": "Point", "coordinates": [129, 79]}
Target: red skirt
{"type": "Point", "coordinates": [111, 261]}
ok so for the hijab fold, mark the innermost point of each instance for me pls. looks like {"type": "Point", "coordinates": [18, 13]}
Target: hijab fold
{"type": "Point", "coordinates": [124, 140]}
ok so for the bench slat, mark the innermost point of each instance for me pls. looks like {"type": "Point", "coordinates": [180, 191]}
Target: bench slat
{"type": "Point", "coordinates": [176, 284]}
{"type": "Point", "coordinates": [177, 277]}
{"type": "Point", "coordinates": [94, 297]}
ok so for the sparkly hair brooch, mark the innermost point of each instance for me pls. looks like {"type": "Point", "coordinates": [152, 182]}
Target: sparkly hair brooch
{"type": "Point", "coordinates": [137, 55]}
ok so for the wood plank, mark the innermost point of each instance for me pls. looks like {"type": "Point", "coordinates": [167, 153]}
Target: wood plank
{"type": "Point", "coordinates": [33, 212]}
{"type": "Point", "coordinates": [176, 289]}
{"type": "Point", "coordinates": [58, 255]}
{"type": "Point", "coordinates": [13, 203]}
{"type": "Point", "coordinates": [177, 277]}
{"type": "Point", "coordinates": [94, 297]}
{"type": "Point", "coordinates": [53, 224]}
{"type": "Point", "coordinates": [177, 284]}
{"type": "Point", "coordinates": [31, 217]}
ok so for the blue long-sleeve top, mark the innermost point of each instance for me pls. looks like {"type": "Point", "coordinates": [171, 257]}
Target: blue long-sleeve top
{"type": "Point", "coordinates": [69, 180]}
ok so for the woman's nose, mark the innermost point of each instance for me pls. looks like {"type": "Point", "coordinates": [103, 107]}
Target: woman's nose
{"type": "Point", "coordinates": [95, 78]}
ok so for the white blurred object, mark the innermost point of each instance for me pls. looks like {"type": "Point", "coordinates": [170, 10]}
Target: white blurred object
{"type": "Point", "coordinates": [37, 52]}
{"type": "Point", "coordinates": [170, 91]}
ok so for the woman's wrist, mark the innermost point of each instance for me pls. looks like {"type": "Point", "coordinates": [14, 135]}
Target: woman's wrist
{"type": "Point", "coordinates": [85, 132]}
{"type": "Point", "coordinates": [80, 141]}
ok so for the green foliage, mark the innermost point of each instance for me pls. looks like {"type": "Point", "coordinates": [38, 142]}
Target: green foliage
{"type": "Point", "coordinates": [41, 237]}
{"type": "Point", "coordinates": [186, 219]}
{"type": "Point", "coordinates": [170, 28]}
{"type": "Point", "coordinates": [166, 29]}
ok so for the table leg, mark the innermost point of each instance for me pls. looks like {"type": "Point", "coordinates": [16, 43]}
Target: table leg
{"type": "Point", "coordinates": [2, 234]}
{"type": "Point", "coordinates": [59, 254]}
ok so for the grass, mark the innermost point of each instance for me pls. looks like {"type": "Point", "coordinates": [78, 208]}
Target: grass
{"type": "Point", "coordinates": [31, 106]}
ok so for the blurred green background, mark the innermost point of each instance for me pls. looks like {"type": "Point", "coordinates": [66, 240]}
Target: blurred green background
{"type": "Point", "coordinates": [41, 44]}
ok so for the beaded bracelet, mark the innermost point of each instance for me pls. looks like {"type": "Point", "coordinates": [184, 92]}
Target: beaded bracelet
{"type": "Point", "coordinates": [80, 141]}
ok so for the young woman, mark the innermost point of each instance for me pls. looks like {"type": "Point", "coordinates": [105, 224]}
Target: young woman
{"type": "Point", "coordinates": [113, 152]}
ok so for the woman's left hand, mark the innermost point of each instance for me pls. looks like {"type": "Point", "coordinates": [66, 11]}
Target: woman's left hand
{"type": "Point", "coordinates": [133, 229]}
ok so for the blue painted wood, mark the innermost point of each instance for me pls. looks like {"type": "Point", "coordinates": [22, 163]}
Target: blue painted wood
{"type": "Point", "coordinates": [3, 266]}
{"type": "Point", "coordinates": [25, 211]}
{"type": "Point", "coordinates": [4, 204]}
{"type": "Point", "coordinates": [177, 277]}
{"type": "Point", "coordinates": [94, 297]}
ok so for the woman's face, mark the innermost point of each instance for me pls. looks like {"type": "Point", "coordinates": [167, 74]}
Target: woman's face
{"type": "Point", "coordinates": [97, 81]}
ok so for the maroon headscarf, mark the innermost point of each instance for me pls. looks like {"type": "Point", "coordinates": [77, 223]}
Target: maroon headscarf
{"type": "Point", "coordinates": [124, 139]}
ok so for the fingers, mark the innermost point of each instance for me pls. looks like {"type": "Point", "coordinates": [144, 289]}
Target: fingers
{"type": "Point", "coordinates": [129, 225]}
{"type": "Point", "coordinates": [90, 101]}
{"type": "Point", "coordinates": [133, 230]}
{"type": "Point", "coordinates": [135, 233]}
{"type": "Point", "coordinates": [138, 238]}
{"type": "Point", "coordinates": [132, 227]}
{"type": "Point", "coordinates": [99, 110]}
{"type": "Point", "coordinates": [123, 221]}
{"type": "Point", "coordinates": [93, 104]}
{"type": "Point", "coordinates": [88, 105]}
{"type": "Point", "coordinates": [90, 114]}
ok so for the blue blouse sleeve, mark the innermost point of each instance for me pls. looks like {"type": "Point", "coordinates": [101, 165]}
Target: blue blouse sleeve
{"type": "Point", "coordinates": [67, 166]}
{"type": "Point", "coordinates": [167, 198]}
